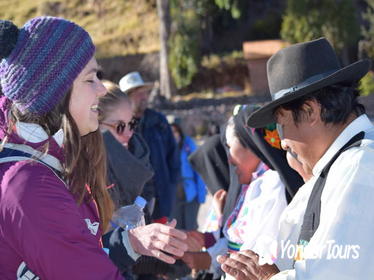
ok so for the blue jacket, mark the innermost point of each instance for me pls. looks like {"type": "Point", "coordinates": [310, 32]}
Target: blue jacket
{"type": "Point", "coordinates": [194, 186]}
{"type": "Point", "coordinates": [156, 131]}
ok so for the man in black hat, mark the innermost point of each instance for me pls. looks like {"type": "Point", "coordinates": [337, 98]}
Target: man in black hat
{"type": "Point", "coordinates": [330, 222]}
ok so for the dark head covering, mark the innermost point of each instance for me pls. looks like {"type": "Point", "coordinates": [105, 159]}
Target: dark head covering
{"type": "Point", "coordinates": [247, 138]}
{"type": "Point", "coordinates": [210, 161]}
{"type": "Point", "coordinates": [265, 143]}
{"type": "Point", "coordinates": [304, 68]}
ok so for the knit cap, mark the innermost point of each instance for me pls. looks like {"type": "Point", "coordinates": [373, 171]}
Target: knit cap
{"type": "Point", "coordinates": [40, 61]}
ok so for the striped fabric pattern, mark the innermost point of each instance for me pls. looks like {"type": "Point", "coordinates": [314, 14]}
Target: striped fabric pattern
{"type": "Point", "coordinates": [49, 54]}
{"type": "Point", "coordinates": [233, 247]}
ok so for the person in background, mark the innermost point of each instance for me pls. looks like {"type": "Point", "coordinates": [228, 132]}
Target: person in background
{"type": "Point", "coordinates": [129, 169]}
{"type": "Point", "coordinates": [254, 220]}
{"type": "Point", "coordinates": [156, 131]}
{"type": "Point", "coordinates": [191, 189]}
{"type": "Point", "coordinates": [54, 205]}
{"type": "Point", "coordinates": [211, 163]}
{"type": "Point", "coordinates": [288, 218]}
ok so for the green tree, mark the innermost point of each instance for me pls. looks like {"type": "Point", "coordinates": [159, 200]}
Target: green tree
{"type": "Point", "coordinates": [336, 20]}
{"type": "Point", "coordinates": [184, 53]}
{"type": "Point", "coordinates": [164, 16]}
{"type": "Point", "coordinates": [368, 31]}
{"type": "Point", "coordinates": [367, 84]}
{"type": "Point", "coordinates": [230, 5]}
{"type": "Point", "coordinates": [191, 21]}
{"type": "Point", "coordinates": [367, 47]}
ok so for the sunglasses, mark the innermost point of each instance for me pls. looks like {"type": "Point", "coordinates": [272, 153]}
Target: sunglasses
{"type": "Point", "coordinates": [121, 126]}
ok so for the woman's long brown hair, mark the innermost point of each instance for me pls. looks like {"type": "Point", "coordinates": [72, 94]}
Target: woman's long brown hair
{"type": "Point", "coordinates": [85, 159]}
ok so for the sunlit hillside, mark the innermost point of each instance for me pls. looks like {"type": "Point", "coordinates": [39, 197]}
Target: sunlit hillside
{"type": "Point", "coordinates": [118, 27]}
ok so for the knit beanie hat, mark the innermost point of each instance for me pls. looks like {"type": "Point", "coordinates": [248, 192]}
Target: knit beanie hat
{"type": "Point", "coordinates": [40, 61]}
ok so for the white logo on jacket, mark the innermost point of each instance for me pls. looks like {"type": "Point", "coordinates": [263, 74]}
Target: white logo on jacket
{"type": "Point", "coordinates": [93, 227]}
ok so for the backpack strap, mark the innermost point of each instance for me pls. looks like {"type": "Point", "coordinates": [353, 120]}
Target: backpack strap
{"type": "Point", "coordinates": [313, 210]}
{"type": "Point", "coordinates": [18, 153]}
{"type": "Point", "coordinates": [13, 152]}
{"type": "Point", "coordinates": [35, 154]}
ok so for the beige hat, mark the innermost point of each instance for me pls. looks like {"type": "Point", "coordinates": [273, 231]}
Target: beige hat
{"type": "Point", "coordinates": [133, 80]}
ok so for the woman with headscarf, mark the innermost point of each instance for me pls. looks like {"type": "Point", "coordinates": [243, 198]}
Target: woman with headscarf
{"type": "Point", "coordinates": [261, 167]}
{"type": "Point", "coordinates": [211, 162]}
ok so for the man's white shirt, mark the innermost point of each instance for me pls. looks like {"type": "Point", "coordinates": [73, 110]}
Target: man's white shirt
{"type": "Point", "coordinates": [343, 241]}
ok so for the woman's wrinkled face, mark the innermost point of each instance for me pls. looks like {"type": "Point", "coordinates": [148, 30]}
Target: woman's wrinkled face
{"type": "Point", "coordinates": [84, 100]}
{"type": "Point", "coordinates": [122, 113]}
{"type": "Point", "coordinates": [244, 160]}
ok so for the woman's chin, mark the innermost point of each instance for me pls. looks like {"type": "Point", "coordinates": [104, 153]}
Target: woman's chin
{"type": "Point", "coordinates": [92, 128]}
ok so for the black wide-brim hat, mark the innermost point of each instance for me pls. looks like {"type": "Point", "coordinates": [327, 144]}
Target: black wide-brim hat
{"type": "Point", "coordinates": [301, 69]}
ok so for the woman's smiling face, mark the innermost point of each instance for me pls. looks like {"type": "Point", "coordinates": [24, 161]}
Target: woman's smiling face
{"type": "Point", "coordinates": [244, 160]}
{"type": "Point", "coordinates": [120, 113]}
{"type": "Point", "coordinates": [87, 89]}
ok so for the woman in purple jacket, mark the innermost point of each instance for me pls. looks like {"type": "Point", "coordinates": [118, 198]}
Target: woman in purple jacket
{"type": "Point", "coordinates": [54, 205]}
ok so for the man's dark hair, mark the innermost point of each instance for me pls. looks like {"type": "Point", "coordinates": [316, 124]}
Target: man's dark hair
{"type": "Point", "coordinates": [337, 103]}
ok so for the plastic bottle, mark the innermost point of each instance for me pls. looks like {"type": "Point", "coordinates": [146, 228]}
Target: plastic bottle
{"type": "Point", "coordinates": [130, 216]}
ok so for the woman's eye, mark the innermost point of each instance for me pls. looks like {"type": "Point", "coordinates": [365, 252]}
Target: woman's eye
{"type": "Point", "coordinates": [100, 75]}
{"type": "Point", "coordinates": [89, 81]}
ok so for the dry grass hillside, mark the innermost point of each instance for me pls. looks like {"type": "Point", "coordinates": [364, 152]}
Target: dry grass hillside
{"type": "Point", "coordinates": [118, 27]}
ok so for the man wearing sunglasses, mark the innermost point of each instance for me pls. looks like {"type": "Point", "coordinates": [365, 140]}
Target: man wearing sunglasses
{"type": "Point", "coordinates": [157, 132]}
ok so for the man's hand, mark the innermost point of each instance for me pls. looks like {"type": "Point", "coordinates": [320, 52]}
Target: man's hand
{"type": "Point", "coordinates": [195, 241]}
{"type": "Point", "coordinates": [197, 260]}
{"type": "Point", "coordinates": [244, 265]}
{"type": "Point", "coordinates": [158, 240]}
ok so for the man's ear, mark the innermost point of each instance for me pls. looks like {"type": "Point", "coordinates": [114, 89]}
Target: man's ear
{"type": "Point", "coordinates": [312, 111]}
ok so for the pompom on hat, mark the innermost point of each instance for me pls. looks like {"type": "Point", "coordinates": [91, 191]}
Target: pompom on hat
{"type": "Point", "coordinates": [40, 61]}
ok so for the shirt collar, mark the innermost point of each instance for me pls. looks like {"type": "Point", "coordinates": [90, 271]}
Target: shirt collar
{"type": "Point", "coordinates": [261, 169]}
{"type": "Point", "coordinates": [34, 133]}
{"type": "Point", "coordinates": [361, 123]}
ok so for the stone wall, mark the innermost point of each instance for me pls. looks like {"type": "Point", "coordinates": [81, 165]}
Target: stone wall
{"type": "Point", "coordinates": [202, 117]}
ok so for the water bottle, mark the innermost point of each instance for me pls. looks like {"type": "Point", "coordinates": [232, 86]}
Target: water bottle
{"type": "Point", "coordinates": [130, 216]}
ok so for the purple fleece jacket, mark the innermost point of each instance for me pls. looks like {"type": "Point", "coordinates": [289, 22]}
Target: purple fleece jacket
{"type": "Point", "coordinates": [42, 225]}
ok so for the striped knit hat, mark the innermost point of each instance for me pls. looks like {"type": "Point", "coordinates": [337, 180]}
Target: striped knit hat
{"type": "Point", "coordinates": [41, 60]}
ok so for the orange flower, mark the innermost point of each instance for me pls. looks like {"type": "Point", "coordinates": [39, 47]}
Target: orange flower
{"type": "Point", "coordinates": [272, 138]}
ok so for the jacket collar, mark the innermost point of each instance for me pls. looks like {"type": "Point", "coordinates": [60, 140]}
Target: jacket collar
{"type": "Point", "coordinates": [34, 133]}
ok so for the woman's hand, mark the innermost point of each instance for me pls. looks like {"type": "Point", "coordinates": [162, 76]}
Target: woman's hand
{"type": "Point", "coordinates": [197, 260]}
{"type": "Point", "coordinates": [219, 199]}
{"type": "Point", "coordinates": [244, 265]}
{"type": "Point", "coordinates": [195, 241]}
{"type": "Point", "coordinates": [157, 240]}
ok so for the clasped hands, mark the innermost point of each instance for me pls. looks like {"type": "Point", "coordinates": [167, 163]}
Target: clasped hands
{"type": "Point", "coordinates": [244, 265]}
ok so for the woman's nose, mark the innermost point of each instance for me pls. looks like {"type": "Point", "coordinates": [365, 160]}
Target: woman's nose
{"type": "Point", "coordinates": [101, 90]}
{"type": "Point", "coordinates": [127, 132]}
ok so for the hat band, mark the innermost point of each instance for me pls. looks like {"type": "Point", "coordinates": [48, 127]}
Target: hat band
{"type": "Point", "coordinates": [302, 85]}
